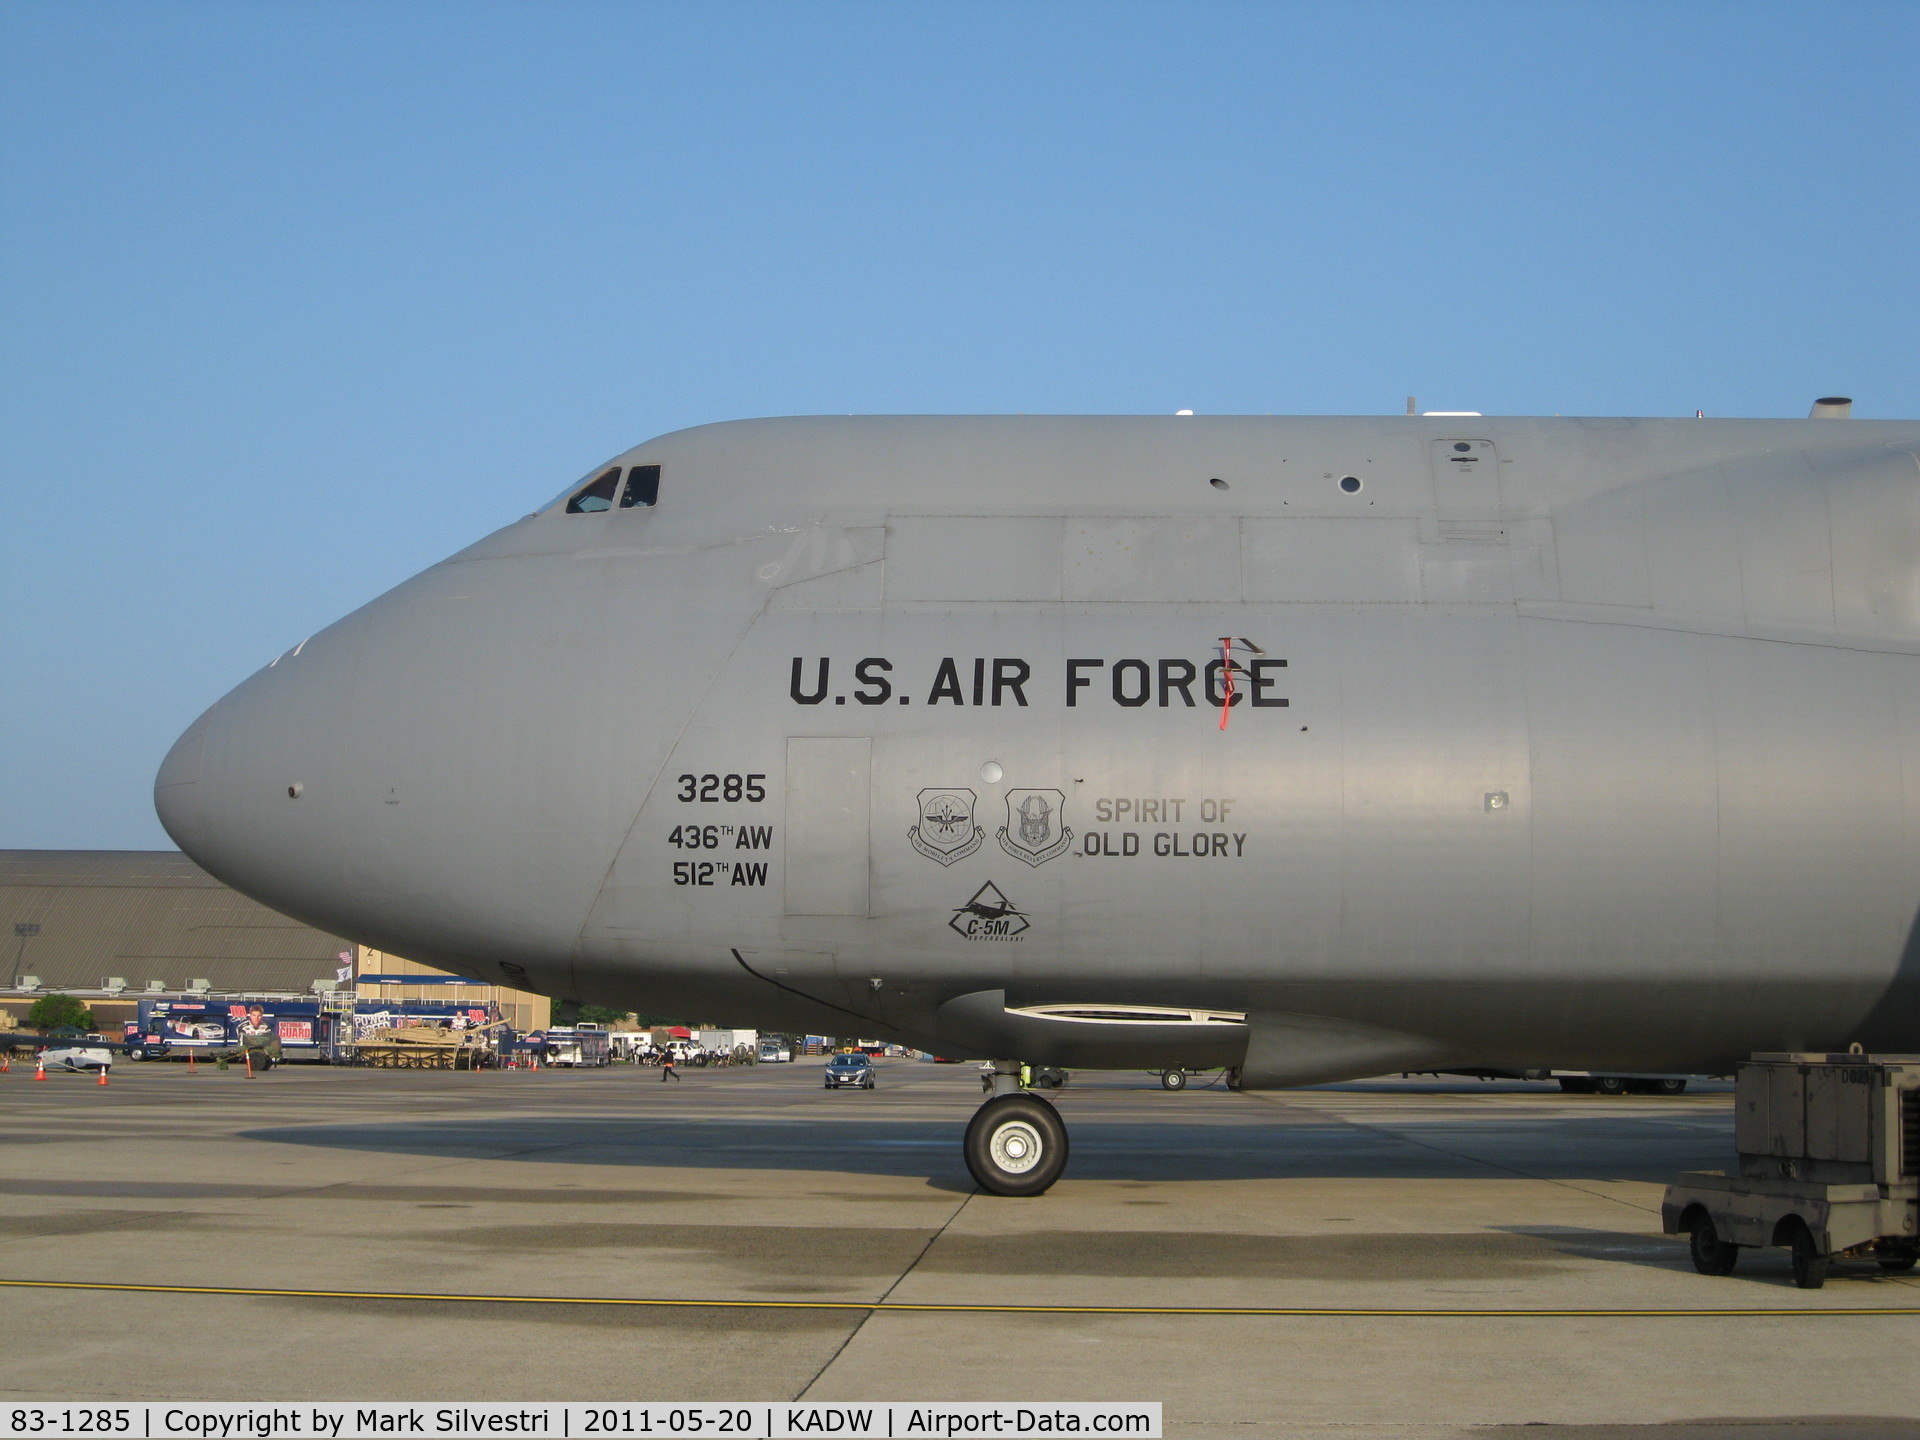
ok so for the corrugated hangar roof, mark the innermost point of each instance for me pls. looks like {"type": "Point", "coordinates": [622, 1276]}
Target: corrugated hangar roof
{"type": "Point", "coordinates": [148, 915]}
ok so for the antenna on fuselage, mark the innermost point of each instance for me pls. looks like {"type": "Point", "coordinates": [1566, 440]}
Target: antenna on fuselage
{"type": "Point", "coordinates": [1227, 666]}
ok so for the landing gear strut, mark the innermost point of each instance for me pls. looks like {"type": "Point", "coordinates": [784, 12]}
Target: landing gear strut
{"type": "Point", "coordinates": [1016, 1143]}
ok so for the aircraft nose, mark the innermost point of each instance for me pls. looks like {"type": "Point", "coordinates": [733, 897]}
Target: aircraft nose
{"type": "Point", "coordinates": [249, 792]}
{"type": "Point", "coordinates": [176, 789]}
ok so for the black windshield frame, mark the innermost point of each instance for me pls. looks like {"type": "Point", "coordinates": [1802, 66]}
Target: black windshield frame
{"type": "Point", "coordinates": [643, 488]}
{"type": "Point", "coordinates": [596, 498]}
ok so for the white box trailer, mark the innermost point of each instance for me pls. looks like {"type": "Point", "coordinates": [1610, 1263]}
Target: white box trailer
{"type": "Point", "coordinates": [585, 1045]}
{"type": "Point", "coordinates": [1829, 1149]}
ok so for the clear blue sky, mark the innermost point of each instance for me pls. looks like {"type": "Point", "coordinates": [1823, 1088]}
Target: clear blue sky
{"type": "Point", "coordinates": [299, 297]}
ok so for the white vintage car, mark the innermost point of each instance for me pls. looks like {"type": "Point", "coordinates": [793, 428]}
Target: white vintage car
{"type": "Point", "coordinates": [77, 1055]}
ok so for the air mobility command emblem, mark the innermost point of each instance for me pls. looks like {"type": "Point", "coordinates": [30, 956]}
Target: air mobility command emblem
{"type": "Point", "coordinates": [1034, 831]}
{"type": "Point", "coordinates": [946, 831]}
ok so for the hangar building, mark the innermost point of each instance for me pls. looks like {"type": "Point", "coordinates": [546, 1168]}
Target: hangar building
{"type": "Point", "coordinates": [110, 925]}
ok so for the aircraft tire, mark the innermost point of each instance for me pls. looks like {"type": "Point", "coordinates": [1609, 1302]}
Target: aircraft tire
{"type": "Point", "coordinates": [1173, 1079]}
{"type": "Point", "coordinates": [1234, 1082]}
{"type": "Point", "coordinates": [1016, 1145]}
{"type": "Point", "coordinates": [1711, 1255]}
{"type": "Point", "coordinates": [1898, 1264]}
{"type": "Point", "coordinates": [1809, 1265]}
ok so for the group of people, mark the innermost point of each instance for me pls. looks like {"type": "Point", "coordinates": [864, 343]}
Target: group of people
{"type": "Point", "coordinates": [671, 1057]}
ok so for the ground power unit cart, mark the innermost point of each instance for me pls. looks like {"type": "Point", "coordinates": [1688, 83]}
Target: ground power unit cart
{"type": "Point", "coordinates": [1829, 1167]}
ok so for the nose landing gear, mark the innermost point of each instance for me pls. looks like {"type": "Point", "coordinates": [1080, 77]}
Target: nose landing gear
{"type": "Point", "coordinates": [1016, 1143]}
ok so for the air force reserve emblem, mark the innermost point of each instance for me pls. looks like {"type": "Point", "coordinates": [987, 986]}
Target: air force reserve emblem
{"type": "Point", "coordinates": [1035, 832]}
{"type": "Point", "coordinates": [946, 831]}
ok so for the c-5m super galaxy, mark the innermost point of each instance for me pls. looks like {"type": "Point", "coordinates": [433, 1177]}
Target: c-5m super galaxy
{"type": "Point", "coordinates": [1310, 747]}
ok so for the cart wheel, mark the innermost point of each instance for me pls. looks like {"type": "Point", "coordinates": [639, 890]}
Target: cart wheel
{"type": "Point", "coordinates": [1670, 1086]}
{"type": "Point", "coordinates": [1609, 1085]}
{"type": "Point", "coordinates": [1809, 1264]}
{"type": "Point", "coordinates": [1898, 1264]}
{"type": "Point", "coordinates": [1576, 1084]}
{"type": "Point", "coordinates": [1173, 1079]}
{"type": "Point", "coordinates": [1711, 1254]}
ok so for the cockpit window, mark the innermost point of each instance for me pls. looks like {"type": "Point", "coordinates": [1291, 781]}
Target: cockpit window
{"type": "Point", "coordinates": [597, 496]}
{"type": "Point", "coordinates": [643, 487]}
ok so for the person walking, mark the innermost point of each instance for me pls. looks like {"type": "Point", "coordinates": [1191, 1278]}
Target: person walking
{"type": "Point", "coordinates": [667, 1072]}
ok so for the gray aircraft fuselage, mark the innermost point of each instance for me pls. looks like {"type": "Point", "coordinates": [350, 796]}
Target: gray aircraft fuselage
{"type": "Point", "coordinates": [1549, 742]}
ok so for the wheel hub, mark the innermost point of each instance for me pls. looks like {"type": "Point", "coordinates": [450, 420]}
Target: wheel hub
{"type": "Point", "coordinates": [1016, 1147]}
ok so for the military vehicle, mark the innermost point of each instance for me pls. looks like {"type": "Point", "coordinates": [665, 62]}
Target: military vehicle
{"type": "Point", "coordinates": [1311, 747]}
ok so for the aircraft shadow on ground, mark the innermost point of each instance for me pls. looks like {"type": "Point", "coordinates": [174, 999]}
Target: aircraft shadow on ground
{"type": "Point", "coordinates": [1572, 1148]}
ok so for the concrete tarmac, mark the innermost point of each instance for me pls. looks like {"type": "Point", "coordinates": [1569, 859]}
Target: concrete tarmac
{"type": "Point", "coordinates": [757, 1184]}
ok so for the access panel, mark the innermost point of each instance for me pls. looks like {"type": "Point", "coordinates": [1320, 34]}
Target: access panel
{"type": "Point", "coordinates": [827, 846]}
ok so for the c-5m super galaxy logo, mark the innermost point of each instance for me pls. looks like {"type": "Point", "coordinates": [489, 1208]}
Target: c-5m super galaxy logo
{"type": "Point", "coordinates": [1034, 831]}
{"type": "Point", "coordinates": [946, 831]}
{"type": "Point", "coordinates": [989, 915]}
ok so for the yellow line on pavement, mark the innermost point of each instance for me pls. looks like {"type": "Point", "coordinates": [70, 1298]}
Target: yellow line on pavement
{"type": "Point", "coordinates": [914, 1307]}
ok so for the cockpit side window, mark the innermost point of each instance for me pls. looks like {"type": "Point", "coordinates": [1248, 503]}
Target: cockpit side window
{"type": "Point", "coordinates": [643, 487]}
{"type": "Point", "coordinates": [597, 496]}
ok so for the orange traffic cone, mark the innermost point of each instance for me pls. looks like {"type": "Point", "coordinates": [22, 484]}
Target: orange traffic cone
{"type": "Point", "coordinates": [39, 1069]}
{"type": "Point", "coordinates": [103, 1075]}
{"type": "Point", "coordinates": [190, 1069]}
{"type": "Point", "coordinates": [6, 1064]}
{"type": "Point", "coordinates": [247, 1055]}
